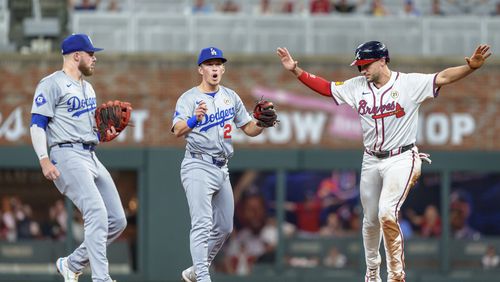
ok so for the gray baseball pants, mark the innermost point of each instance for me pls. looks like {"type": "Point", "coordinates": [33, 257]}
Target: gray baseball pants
{"type": "Point", "coordinates": [211, 206]}
{"type": "Point", "coordinates": [88, 184]}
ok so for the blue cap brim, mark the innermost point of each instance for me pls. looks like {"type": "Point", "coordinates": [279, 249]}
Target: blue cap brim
{"type": "Point", "coordinates": [222, 59]}
{"type": "Point", "coordinates": [88, 50]}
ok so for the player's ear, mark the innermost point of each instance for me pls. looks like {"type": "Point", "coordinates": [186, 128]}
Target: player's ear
{"type": "Point", "coordinates": [223, 68]}
{"type": "Point", "coordinates": [200, 70]}
{"type": "Point", "coordinates": [76, 56]}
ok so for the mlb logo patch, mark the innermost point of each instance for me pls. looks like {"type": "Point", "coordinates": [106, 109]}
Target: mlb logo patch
{"type": "Point", "coordinates": [40, 100]}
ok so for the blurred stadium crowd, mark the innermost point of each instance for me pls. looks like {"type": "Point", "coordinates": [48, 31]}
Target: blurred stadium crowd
{"type": "Point", "coordinates": [21, 21]}
{"type": "Point", "coordinates": [18, 221]}
{"type": "Point", "coordinates": [318, 205]}
{"type": "Point", "coordinates": [368, 7]}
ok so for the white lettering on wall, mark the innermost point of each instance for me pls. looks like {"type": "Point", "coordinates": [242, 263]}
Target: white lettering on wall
{"type": "Point", "coordinates": [301, 127]}
{"type": "Point", "coordinates": [295, 126]}
{"type": "Point", "coordinates": [437, 131]}
{"type": "Point", "coordinates": [461, 125]}
{"type": "Point", "coordinates": [12, 128]}
{"type": "Point", "coordinates": [309, 127]}
{"type": "Point", "coordinates": [440, 129]}
{"type": "Point", "coordinates": [137, 119]}
{"type": "Point", "coordinates": [281, 134]}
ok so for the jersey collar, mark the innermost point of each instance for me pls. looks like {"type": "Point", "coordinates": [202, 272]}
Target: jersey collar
{"type": "Point", "coordinates": [76, 82]}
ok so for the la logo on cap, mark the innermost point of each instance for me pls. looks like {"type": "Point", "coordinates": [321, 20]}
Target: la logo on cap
{"type": "Point", "coordinates": [210, 53]}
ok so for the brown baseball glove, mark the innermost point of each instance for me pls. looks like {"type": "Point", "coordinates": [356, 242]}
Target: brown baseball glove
{"type": "Point", "coordinates": [112, 114]}
{"type": "Point", "coordinates": [265, 114]}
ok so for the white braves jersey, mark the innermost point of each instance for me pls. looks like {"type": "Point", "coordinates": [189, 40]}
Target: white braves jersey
{"type": "Point", "coordinates": [70, 106]}
{"type": "Point", "coordinates": [213, 135]}
{"type": "Point", "coordinates": [389, 115]}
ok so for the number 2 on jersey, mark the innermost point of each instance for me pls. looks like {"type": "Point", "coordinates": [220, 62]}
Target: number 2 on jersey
{"type": "Point", "coordinates": [227, 131]}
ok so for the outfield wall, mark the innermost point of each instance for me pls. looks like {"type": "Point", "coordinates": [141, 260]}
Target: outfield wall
{"type": "Point", "coordinates": [463, 117]}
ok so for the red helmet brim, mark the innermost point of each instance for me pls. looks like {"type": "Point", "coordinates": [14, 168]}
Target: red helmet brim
{"type": "Point", "coordinates": [363, 62]}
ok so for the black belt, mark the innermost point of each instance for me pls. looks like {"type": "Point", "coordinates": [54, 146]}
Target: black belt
{"type": "Point", "coordinates": [219, 162]}
{"type": "Point", "coordinates": [85, 146]}
{"type": "Point", "coordinates": [386, 154]}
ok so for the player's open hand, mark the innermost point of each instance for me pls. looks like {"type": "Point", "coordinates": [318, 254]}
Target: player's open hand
{"type": "Point", "coordinates": [480, 55]}
{"type": "Point", "coordinates": [49, 170]}
{"type": "Point", "coordinates": [286, 59]}
{"type": "Point", "coordinates": [201, 111]}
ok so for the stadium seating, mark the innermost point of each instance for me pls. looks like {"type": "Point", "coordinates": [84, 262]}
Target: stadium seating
{"type": "Point", "coordinates": [261, 34]}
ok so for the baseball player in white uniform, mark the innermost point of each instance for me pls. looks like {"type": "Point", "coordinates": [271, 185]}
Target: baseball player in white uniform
{"type": "Point", "coordinates": [207, 115]}
{"type": "Point", "coordinates": [63, 118]}
{"type": "Point", "coordinates": [387, 103]}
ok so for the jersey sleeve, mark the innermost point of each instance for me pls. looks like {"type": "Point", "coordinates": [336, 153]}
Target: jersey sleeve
{"type": "Point", "coordinates": [423, 86]}
{"type": "Point", "coordinates": [46, 96]}
{"type": "Point", "coordinates": [343, 92]}
{"type": "Point", "coordinates": [241, 115]}
{"type": "Point", "coordinates": [183, 109]}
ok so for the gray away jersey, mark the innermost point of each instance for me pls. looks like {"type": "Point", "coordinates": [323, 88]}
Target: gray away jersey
{"type": "Point", "coordinates": [70, 107]}
{"type": "Point", "coordinates": [213, 135]}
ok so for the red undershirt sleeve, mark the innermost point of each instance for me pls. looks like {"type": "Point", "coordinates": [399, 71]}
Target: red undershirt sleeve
{"type": "Point", "coordinates": [316, 83]}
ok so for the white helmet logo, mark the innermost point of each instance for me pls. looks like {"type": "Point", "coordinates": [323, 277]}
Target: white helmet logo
{"type": "Point", "coordinates": [213, 52]}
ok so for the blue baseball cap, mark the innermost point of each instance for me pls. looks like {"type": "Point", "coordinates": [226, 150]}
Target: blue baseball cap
{"type": "Point", "coordinates": [78, 42]}
{"type": "Point", "coordinates": [210, 53]}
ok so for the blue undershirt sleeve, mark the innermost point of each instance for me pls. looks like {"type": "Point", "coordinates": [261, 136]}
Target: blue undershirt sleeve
{"type": "Point", "coordinates": [40, 121]}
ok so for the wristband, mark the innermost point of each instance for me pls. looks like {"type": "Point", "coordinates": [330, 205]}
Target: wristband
{"type": "Point", "coordinates": [192, 122]}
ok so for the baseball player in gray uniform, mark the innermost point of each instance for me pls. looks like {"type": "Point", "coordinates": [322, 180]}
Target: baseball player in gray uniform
{"type": "Point", "coordinates": [206, 116]}
{"type": "Point", "coordinates": [63, 117]}
{"type": "Point", "coordinates": [387, 103]}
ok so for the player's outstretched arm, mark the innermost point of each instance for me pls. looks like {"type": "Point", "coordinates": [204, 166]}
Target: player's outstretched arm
{"type": "Point", "coordinates": [183, 127]}
{"type": "Point", "coordinates": [316, 83]}
{"type": "Point", "coordinates": [474, 62]}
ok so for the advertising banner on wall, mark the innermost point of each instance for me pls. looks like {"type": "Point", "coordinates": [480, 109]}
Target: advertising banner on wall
{"type": "Point", "coordinates": [463, 117]}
